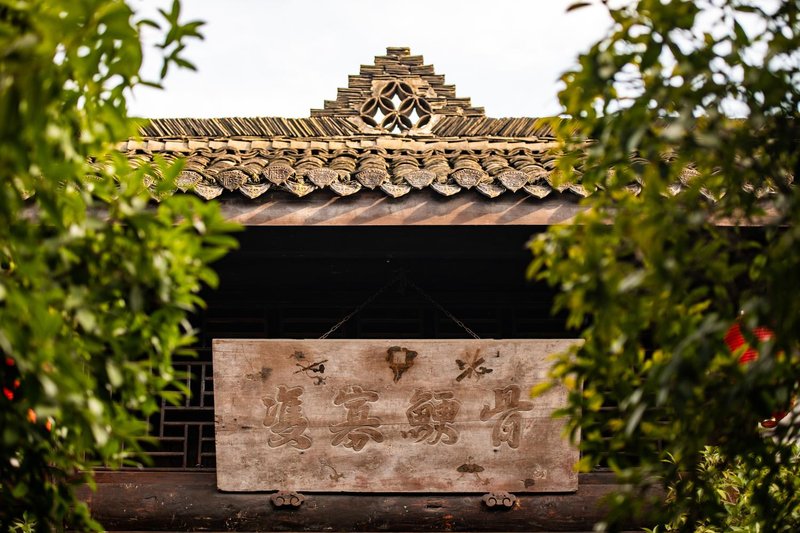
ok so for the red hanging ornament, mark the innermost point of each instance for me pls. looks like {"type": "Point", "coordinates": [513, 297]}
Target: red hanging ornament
{"type": "Point", "coordinates": [735, 340]}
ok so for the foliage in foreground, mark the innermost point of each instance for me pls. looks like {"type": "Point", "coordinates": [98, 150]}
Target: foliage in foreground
{"type": "Point", "coordinates": [684, 125]}
{"type": "Point", "coordinates": [95, 283]}
{"type": "Point", "coordinates": [733, 484]}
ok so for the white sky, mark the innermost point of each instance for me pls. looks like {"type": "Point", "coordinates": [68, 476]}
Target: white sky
{"type": "Point", "coordinates": [282, 57]}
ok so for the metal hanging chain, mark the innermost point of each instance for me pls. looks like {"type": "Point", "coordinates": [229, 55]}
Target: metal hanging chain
{"type": "Point", "coordinates": [400, 277]}
{"type": "Point", "coordinates": [365, 303]}
{"type": "Point", "coordinates": [439, 306]}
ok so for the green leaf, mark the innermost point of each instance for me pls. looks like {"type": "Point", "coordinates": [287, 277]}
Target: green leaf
{"type": "Point", "coordinates": [654, 280]}
{"type": "Point", "coordinates": [94, 289]}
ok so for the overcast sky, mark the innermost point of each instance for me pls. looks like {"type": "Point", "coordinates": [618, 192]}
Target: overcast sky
{"type": "Point", "coordinates": [282, 58]}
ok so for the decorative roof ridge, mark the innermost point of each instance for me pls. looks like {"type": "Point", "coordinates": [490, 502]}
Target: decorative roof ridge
{"type": "Point", "coordinates": [397, 95]}
{"type": "Point", "coordinates": [188, 145]}
{"type": "Point", "coordinates": [396, 84]}
{"type": "Point", "coordinates": [397, 128]}
{"type": "Point", "coordinates": [338, 127]}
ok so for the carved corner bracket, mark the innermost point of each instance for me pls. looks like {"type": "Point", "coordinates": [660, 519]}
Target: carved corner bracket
{"type": "Point", "coordinates": [499, 500]}
{"type": "Point", "coordinates": [287, 499]}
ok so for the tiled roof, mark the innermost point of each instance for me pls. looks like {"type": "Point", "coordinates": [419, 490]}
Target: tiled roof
{"type": "Point", "coordinates": [346, 170]}
{"type": "Point", "coordinates": [397, 127]}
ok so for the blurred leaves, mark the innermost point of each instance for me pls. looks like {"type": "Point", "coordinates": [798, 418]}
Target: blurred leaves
{"type": "Point", "coordinates": [683, 121]}
{"type": "Point", "coordinates": [96, 280]}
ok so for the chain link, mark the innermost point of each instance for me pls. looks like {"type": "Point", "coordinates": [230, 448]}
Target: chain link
{"type": "Point", "coordinates": [439, 306]}
{"type": "Point", "coordinates": [365, 303]}
{"type": "Point", "coordinates": [400, 277]}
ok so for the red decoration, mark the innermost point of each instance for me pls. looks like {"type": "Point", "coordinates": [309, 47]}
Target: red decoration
{"type": "Point", "coordinates": [735, 340]}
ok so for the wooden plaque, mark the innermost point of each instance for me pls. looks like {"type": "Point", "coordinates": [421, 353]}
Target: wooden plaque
{"type": "Point", "coordinates": [389, 416]}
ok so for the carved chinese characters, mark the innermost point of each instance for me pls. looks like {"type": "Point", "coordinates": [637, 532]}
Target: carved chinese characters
{"type": "Point", "coordinates": [388, 416]}
{"type": "Point", "coordinates": [285, 419]}
{"type": "Point", "coordinates": [431, 417]}
{"type": "Point", "coordinates": [358, 427]}
{"type": "Point", "coordinates": [509, 424]}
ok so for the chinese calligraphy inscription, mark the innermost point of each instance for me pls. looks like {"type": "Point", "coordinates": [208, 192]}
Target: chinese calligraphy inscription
{"type": "Point", "coordinates": [328, 415]}
{"type": "Point", "coordinates": [509, 407]}
{"type": "Point", "coordinates": [431, 417]}
{"type": "Point", "coordinates": [285, 419]}
{"type": "Point", "coordinates": [358, 427]}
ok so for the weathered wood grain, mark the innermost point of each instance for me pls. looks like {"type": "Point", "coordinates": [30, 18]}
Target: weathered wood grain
{"type": "Point", "coordinates": [389, 416]}
{"type": "Point", "coordinates": [168, 501]}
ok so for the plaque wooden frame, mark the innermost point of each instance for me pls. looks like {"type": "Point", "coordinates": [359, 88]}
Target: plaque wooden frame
{"type": "Point", "coordinates": [407, 415]}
